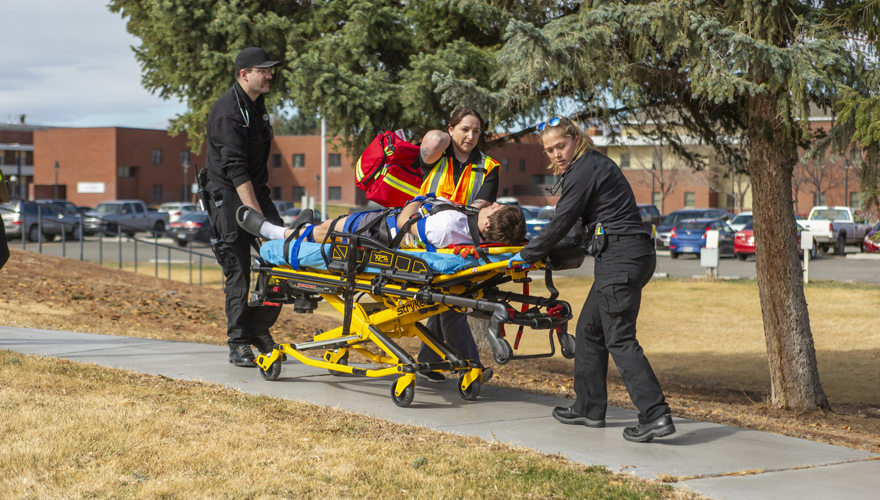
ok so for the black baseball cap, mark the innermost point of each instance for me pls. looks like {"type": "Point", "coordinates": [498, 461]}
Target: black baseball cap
{"type": "Point", "coordinates": [253, 57]}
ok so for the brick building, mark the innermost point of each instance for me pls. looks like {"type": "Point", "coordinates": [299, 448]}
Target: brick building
{"type": "Point", "coordinates": [112, 163]}
{"type": "Point", "coordinates": [17, 153]}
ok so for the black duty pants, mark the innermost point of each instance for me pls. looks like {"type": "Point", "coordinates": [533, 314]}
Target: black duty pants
{"type": "Point", "coordinates": [4, 246]}
{"type": "Point", "coordinates": [451, 327]}
{"type": "Point", "coordinates": [607, 325]}
{"type": "Point", "coordinates": [233, 253]}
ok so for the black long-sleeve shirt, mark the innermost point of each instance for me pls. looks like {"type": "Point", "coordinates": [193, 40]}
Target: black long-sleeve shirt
{"type": "Point", "coordinates": [238, 142]}
{"type": "Point", "coordinates": [594, 189]}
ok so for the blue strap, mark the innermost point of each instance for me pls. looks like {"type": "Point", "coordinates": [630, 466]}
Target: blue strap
{"type": "Point", "coordinates": [294, 251]}
{"type": "Point", "coordinates": [420, 225]}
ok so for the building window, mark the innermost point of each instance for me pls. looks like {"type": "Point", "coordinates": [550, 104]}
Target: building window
{"type": "Point", "coordinates": [855, 200]}
{"type": "Point", "coordinates": [299, 161]}
{"type": "Point", "coordinates": [276, 192]}
{"type": "Point", "coordinates": [522, 165]}
{"type": "Point", "coordinates": [656, 199]}
{"type": "Point", "coordinates": [689, 199]}
{"type": "Point", "coordinates": [157, 193]}
{"type": "Point", "coordinates": [505, 165]}
{"type": "Point", "coordinates": [298, 192]}
{"type": "Point", "coordinates": [157, 157]}
{"type": "Point", "coordinates": [276, 161]}
{"type": "Point", "coordinates": [505, 192]}
{"type": "Point", "coordinates": [334, 193]}
{"type": "Point", "coordinates": [126, 172]}
{"type": "Point", "coordinates": [184, 157]}
{"type": "Point", "coordinates": [543, 180]}
{"type": "Point", "coordinates": [624, 160]}
{"type": "Point", "coordinates": [334, 160]}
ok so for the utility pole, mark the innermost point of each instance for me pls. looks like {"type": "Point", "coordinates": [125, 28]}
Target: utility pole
{"type": "Point", "coordinates": [56, 179]}
{"type": "Point", "coordinates": [20, 183]}
{"type": "Point", "coordinates": [846, 182]}
{"type": "Point", "coordinates": [323, 168]}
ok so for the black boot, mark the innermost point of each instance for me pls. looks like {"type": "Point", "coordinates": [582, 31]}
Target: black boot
{"type": "Point", "coordinates": [264, 343]}
{"type": "Point", "coordinates": [242, 355]}
{"type": "Point", "coordinates": [656, 428]}
{"type": "Point", "coordinates": [566, 415]}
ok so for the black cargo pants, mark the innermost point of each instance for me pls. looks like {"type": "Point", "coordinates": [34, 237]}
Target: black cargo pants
{"type": "Point", "coordinates": [607, 325]}
{"type": "Point", "coordinates": [233, 252]}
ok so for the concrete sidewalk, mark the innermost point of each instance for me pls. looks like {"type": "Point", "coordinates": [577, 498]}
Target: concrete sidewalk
{"type": "Point", "coordinates": [792, 468]}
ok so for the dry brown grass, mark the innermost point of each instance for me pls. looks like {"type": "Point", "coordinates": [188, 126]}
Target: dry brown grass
{"type": "Point", "coordinates": [713, 331]}
{"type": "Point", "coordinates": [74, 430]}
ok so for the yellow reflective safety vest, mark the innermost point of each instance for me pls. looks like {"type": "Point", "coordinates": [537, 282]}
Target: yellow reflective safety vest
{"type": "Point", "coordinates": [442, 182]}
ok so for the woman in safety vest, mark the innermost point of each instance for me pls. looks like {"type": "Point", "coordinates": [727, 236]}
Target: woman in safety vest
{"type": "Point", "coordinates": [454, 168]}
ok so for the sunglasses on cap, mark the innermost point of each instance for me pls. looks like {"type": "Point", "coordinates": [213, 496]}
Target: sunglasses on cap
{"type": "Point", "coordinates": [552, 122]}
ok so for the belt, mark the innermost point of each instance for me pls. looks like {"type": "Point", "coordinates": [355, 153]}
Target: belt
{"type": "Point", "coordinates": [617, 237]}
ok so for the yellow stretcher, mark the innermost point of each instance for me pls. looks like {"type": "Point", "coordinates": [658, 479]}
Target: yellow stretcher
{"type": "Point", "coordinates": [403, 290]}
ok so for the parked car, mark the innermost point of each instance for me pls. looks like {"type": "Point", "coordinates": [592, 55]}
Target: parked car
{"type": "Point", "coordinates": [689, 236]}
{"type": "Point", "coordinates": [744, 242]}
{"type": "Point", "coordinates": [289, 215]}
{"type": "Point", "coordinates": [178, 210]}
{"type": "Point", "coordinates": [281, 206]}
{"type": "Point", "coordinates": [871, 243]}
{"type": "Point", "coordinates": [69, 215]}
{"type": "Point", "coordinates": [507, 200]}
{"type": "Point", "coordinates": [84, 209]}
{"type": "Point", "coordinates": [24, 218]}
{"type": "Point", "coordinates": [741, 220]}
{"type": "Point", "coordinates": [194, 228]}
{"type": "Point", "coordinates": [666, 225]}
{"type": "Point", "coordinates": [836, 227]}
{"type": "Point", "coordinates": [131, 215]}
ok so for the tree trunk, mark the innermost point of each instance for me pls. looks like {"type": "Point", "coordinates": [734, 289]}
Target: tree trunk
{"type": "Point", "coordinates": [480, 331]}
{"type": "Point", "coordinates": [794, 375]}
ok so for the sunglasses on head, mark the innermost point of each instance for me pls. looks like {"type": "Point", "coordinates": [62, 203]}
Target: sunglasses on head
{"type": "Point", "coordinates": [552, 122]}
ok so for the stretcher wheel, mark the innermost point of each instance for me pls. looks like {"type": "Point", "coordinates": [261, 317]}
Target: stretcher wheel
{"type": "Point", "coordinates": [566, 342]}
{"type": "Point", "coordinates": [342, 361]}
{"type": "Point", "coordinates": [506, 352]}
{"type": "Point", "coordinates": [471, 392]}
{"type": "Point", "coordinates": [406, 397]}
{"type": "Point", "coordinates": [273, 372]}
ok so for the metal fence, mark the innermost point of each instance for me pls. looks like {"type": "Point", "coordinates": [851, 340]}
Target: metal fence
{"type": "Point", "coordinates": [76, 223]}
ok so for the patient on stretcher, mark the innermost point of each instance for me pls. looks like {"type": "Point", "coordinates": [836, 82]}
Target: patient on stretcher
{"type": "Point", "coordinates": [496, 223]}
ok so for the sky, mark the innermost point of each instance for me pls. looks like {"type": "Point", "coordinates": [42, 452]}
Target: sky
{"type": "Point", "coordinates": [69, 63]}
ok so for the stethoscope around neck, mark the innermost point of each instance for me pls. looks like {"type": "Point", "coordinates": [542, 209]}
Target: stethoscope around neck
{"type": "Point", "coordinates": [245, 114]}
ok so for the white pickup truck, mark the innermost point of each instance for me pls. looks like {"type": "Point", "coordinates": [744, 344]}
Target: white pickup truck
{"type": "Point", "coordinates": [835, 227]}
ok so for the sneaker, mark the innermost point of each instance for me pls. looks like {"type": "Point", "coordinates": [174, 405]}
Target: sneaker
{"type": "Point", "coordinates": [656, 428]}
{"type": "Point", "coordinates": [242, 355]}
{"type": "Point", "coordinates": [435, 377]}
{"type": "Point", "coordinates": [568, 416]}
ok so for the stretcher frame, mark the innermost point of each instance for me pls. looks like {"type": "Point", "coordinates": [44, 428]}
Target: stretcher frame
{"type": "Point", "coordinates": [404, 292]}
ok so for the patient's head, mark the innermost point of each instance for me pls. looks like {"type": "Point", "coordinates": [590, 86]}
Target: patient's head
{"type": "Point", "coordinates": [503, 224]}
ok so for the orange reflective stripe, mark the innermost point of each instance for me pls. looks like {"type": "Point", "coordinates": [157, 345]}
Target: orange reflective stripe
{"type": "Point", "coordinates": [441, 181]}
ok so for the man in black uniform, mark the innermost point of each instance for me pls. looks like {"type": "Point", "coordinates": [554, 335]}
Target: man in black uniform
{"type": "Point", "coordinates": [594, 189]}
{"type": "Point", "coordinates": [239, 137]}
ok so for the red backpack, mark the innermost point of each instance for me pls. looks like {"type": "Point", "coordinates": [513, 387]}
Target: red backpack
{"type": "Point", "coordinates": [389, 170]}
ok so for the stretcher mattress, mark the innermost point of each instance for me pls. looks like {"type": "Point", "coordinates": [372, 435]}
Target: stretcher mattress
{"type": "Point", "coordinates": [309, 256]}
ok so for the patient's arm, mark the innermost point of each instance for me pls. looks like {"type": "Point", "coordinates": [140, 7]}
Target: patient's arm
{"type": "Point", "coordinates": [407, 212]}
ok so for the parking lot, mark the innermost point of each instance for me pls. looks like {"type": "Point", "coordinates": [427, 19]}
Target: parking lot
{"type": "Point", "coordinates": [854, 266]}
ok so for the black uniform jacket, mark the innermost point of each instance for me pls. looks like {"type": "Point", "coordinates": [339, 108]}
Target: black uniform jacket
{"type": "Point", "coordinates": [239, 140]}
{"type": "Point", "coordinates": [594, 189]}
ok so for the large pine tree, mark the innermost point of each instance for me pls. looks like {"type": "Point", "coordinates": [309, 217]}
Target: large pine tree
{"type": "Point", "coordinates": [713, 70]}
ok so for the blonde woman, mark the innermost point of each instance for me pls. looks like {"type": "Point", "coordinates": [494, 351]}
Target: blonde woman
{"type": "Point", "coordinates": [593, 188]}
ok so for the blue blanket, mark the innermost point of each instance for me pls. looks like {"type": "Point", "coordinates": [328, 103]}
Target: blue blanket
{"type": "Point", "coordinates": [309, 257]}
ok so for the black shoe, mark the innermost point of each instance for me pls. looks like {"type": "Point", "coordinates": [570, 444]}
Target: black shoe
{"type": "Point", "coordinates": [487, 375]}
{"type": "Point", "coordinates": [568, 416]}
{"type": "Point", "coordinates": [435, 377]}
{"type": "Point", "coordinates": [242, 355]}
{"type": "Point", "coordinates": [264, 343]}
{"type": "Point", "coordinates": [656, 428]}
